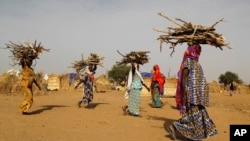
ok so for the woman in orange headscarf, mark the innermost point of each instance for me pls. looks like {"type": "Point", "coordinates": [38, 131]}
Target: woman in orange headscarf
{"type": "Point", "coordinates": [157, 83]}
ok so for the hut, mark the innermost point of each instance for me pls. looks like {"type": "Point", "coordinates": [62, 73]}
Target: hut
{"type": "Point", "coordinates": [102, 84]}
{"type": "Point", "coordinates": [53, 83]}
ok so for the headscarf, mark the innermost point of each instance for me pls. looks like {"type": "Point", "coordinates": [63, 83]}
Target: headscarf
{"type": "Point", "coordinates": [158, 77]}
{"type": "Point", "coordinates": [191, 52]}
{"type": "Point", "coordinates": [130, 75]}
{"type": "Point", "coordinates": [87, 71]}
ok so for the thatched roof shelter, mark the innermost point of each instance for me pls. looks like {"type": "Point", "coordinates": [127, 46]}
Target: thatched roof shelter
{"type": "Point", "coordinates": [102, 84]}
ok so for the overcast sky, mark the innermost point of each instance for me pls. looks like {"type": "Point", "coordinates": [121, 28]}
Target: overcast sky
{"type": "Point", "coordinates": [70, 28]}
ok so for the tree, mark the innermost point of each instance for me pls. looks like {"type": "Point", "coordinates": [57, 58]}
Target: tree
{"type": "Point", "coordinates": [229, 77]}
{"type": "Point", "coordinates": [119, 73]}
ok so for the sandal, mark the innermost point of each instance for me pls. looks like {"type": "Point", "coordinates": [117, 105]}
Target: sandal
{"type": "Point", "coordinates": [171, 132]}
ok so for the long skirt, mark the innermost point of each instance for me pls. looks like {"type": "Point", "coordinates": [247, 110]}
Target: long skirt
{"type": "Point", "coordinates": [87, 98]}
{"type": "Point", "coordinates": [134, 101]}
{"type": "Point", "coordinates": [156, 97]}
{"type": "Point", "coordinates": [196, 124]}
{"type": "Point", "coordinates": [27, 101]}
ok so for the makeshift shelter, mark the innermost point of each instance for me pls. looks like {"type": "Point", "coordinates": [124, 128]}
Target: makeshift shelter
{"type": "Point", "coordinates": [53, 83]}
{"type": "Point", "coordinates": [9, 83]}
{"type": "Point", "coordinates": [102, 84]}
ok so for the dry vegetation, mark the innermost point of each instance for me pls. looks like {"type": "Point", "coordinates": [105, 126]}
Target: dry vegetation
{"type": "Point", "coordinates": [9, 84]}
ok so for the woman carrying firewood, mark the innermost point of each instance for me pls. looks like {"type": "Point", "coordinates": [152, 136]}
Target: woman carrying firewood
{"type": "Point", "coordinates": [24, 54]}
{"type": "Point", "coordinates": [88, 80]}
{"type": "Point", "coordinates": [134, 87]}
{"type": "Point", "coordinates": [192, 96]}
{"type": "Point", "coordinates": [28, 78]}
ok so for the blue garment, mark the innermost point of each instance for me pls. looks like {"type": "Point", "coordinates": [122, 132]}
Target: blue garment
{"type": "Point", "coordinates": [156, 96]}
{"type": "Point", "coordinates": [71, 78]}
{"type": "Point", "coordinates": [87, 90]}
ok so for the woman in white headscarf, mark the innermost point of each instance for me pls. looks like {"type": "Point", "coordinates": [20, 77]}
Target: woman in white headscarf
{"type": "Point", "coordinates": [134, 87]}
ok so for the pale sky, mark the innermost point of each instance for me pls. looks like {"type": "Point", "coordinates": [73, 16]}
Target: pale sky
{"type": "Point", "coordinates": [72, 27]}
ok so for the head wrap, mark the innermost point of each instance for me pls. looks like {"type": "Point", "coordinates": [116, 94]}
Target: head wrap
{"type": "Point", "coordinates": [131, 74]}
{"type": "Point", "coordinates": [157, 76]}
{"type": "Point", "coordinates": [191, 52]}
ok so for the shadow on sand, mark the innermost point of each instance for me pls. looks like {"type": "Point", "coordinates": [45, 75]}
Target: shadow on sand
{"type": "Point", "coordinates": [166, 123]}
{"type": "Point", "coordinates": [94, 105]}
{"type": "Point", "coordinates": [45, 108]}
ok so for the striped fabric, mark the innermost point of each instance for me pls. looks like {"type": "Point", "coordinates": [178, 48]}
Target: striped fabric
{"type": "Point", "coordinates": [196, 86]}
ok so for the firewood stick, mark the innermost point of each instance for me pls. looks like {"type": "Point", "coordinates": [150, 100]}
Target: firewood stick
{"type": "Point", "coordinates": [169, 19]}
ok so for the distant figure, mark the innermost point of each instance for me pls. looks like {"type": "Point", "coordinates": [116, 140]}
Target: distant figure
{"type": "Point", "coordinates": [231, 89]}
{"type": "Point", "coordinates": [157, 85]}
{"type": "Point", "coordinates": [88, 81]}
{"type": "Point", "coordinates": [28, 79]}
{"type": "Point", "coordinates": [134, 87]}
{"type": "Point", "coordinates": [192, 96]}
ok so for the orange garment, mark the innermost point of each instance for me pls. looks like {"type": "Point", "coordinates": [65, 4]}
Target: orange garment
{"type": "Point", "coordinates": [92, 77]}
{"type": "Point", "coordinates": [28, 77]}
{"type": "Point", "coordinates": [157, 76]}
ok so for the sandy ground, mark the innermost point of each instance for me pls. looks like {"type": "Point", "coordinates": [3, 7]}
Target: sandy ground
{"type": "Point", "coordinates": [56, 117]}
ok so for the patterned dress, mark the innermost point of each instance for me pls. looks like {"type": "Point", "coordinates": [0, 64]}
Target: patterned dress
{"type": "Point", "coordinates": [87, 90]}
{"type": "Point", "coordinates": [157, 86]}
{"type": "Point", "coordinates": [156, 95]}
{"type": "Point", "coordinates": [135, 95]}
{"type": "Point", "coordinates": [195, 123]}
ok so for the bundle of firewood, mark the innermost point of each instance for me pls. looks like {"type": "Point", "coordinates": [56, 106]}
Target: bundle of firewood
{"type": "Point", "coordinates": [95, 59]}
{"type": "Point", "coordinates": [139, 57]}
{"type": "Point", "coordinates": [191, 34]}
{"type": "Point", "coordinates": [79, 65]}
{"type": "Point", "coordinates": [26, 50]}
{"type": "Point", "coordinates": [92, 60]}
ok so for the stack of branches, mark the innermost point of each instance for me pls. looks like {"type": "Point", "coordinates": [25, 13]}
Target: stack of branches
{"type": "Point", "coordinates": [92, 60]}
{"type": "Point", "coordinates": [26, 50]}
{"type": "Point", "coordinates": [191, 33]}
{"type": "Point", "coordinates": [79, 64]}
{"type": "Point", "coordinates": [139, 57]}
{"type": "Point", "coordinates": [95, 59]}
